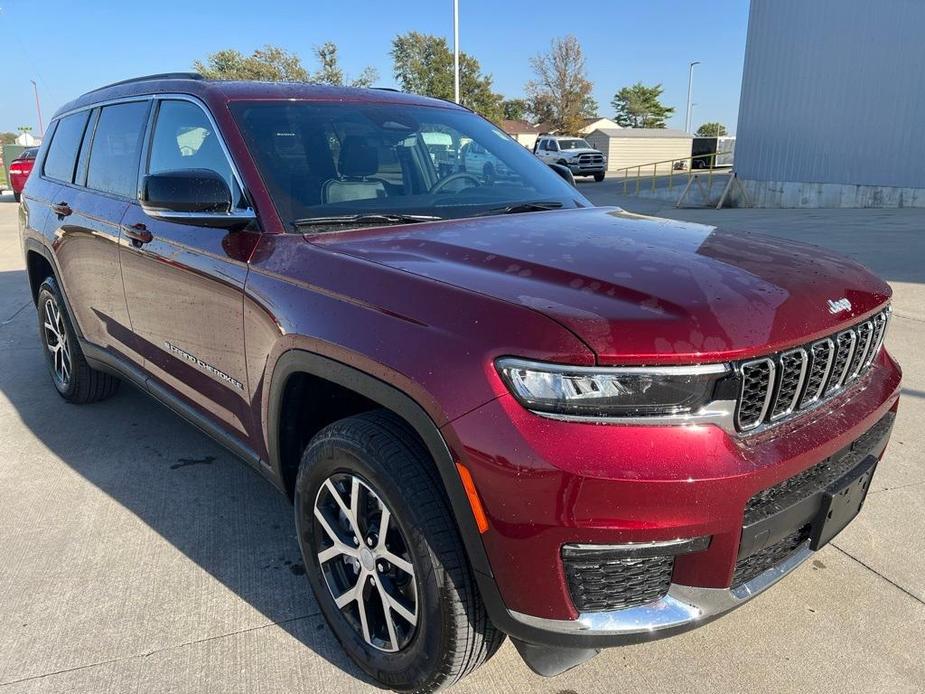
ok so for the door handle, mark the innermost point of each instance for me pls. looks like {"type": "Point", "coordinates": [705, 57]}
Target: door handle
{"type": "Point", "coordinates": [138, 233]}
{"type": "Point", "coordinates": [62, 209]}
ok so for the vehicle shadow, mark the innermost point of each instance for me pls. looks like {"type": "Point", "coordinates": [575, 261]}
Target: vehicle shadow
{"type": "Point", "coordinates": [199, 498]}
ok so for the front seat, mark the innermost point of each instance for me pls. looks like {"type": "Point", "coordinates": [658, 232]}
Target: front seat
{"type": "Point", "coordinates": [358, 162]}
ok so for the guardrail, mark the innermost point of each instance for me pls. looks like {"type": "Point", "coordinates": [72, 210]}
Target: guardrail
{"type": "Point", "coordinates": [686, 169]}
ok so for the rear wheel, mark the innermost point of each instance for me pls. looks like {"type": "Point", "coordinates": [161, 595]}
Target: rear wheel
{"type": "Point", "coordinates": [384, 557]}
{"type": "Point", "coordinates": [17, 196]}
{"type": "Point", "coordinates": [74, 379]}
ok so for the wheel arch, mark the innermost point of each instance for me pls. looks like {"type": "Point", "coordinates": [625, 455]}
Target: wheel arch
{"type": "Point", "coordinates": [297, 363]}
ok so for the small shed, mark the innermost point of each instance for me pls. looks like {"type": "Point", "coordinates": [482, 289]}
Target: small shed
{"type": "Point", "coordinates": [640, 146]}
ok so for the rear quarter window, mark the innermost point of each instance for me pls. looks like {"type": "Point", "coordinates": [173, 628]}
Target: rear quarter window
{"type": "Point", "coordinates": [113, 166]}
{"type": "Point", "coordinates": [62, 152]}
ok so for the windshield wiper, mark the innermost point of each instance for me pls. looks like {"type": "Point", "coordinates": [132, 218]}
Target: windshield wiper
{"type": "Point", "coordinates": [376, 219]}
{"type": "Point", "coordinates": [536, 206]}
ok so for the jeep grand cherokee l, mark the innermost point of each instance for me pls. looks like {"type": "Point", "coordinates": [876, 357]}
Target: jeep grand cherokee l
{"type": "Point", "coordinates": [497, 409]}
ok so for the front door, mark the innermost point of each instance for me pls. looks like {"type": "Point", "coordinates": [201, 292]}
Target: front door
{"type": "Point", "coordinates": [184, 284]}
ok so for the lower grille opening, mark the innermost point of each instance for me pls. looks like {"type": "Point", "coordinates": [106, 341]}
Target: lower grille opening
{"type": "Point", "coordinates": [601, 585]}
{"type": "Point", "coordinates": [756, 564]}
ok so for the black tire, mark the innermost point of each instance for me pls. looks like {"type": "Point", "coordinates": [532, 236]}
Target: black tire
{"type": "Point", "coordinates": [78, 383]}
{"type": "Point", "coordinates": [488, 172]}
{"type": "Point", "coordinates": [599, 176]}
{"type": "Point", "coordinates": [453, 634]}
{"type": "Point", "coordinates": [17, 196]}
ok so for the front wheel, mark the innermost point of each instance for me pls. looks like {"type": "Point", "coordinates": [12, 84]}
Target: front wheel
{"type": "Point", "coordinates": [384, 557]}
{"type": "Point", "coordinates": [599, 176]}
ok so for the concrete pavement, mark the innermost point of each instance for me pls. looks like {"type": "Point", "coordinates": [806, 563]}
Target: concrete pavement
{"type": "Point", "coordinates": [138, 556]}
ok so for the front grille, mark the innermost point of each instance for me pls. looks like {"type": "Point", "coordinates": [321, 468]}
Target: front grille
{"type": "Point", "coordinates": [773, 388]}
{"type": "Point", "coordinates": [756, 564]}
{"type": "Point", "coordinates": [590, 158]}
{"type": "Point", "coordinates": [601, 585]}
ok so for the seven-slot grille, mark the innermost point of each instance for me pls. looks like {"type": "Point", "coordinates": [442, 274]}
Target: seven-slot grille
{"type": "Point", "coordinates": [775, 387]}
{"type": "Point", "coordinates": [590, 158]}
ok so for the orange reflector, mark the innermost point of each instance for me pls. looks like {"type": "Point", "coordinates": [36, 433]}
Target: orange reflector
{"type": "Point", "coordinates": [480, 518]}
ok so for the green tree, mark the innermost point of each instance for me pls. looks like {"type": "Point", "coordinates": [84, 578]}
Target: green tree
{"type": "Point", "coordinates": [423, 64]}
{"type": "Point", "coordinates": [560, 92]}
{"type": "Point", "coordinates": [514, 109]}
{"type": "Point", "coordinates": [712, 129]}
{"type": "Point", "coordinates": [270, 63]}
{"type": "Point", "coordinates": [274, 64]}
{"type": "Point", "coordinates": [331, 72]}
{"type": "Point", "coordinates": [639, 106]}
{"type": "Point", "coordinates": [7, 138]}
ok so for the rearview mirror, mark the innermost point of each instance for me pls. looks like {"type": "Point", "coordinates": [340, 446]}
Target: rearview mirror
{"type": "Point", "coordinates": [191, 196]}
{"type": "Point", "coordinates": [564, 172]}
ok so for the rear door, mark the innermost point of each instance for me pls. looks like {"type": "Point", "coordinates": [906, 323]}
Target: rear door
{"type": "Point", "coordinates": [185, 286]}
{"type": "Point", "coordinates": [93, 191]}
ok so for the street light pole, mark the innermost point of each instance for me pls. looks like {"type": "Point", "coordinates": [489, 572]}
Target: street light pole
{"type": "Point", "coordinates": [456, 50]}
{"type": "Point", "coordinates": [690, 84]}
{"type": "Point", "coordinates": [38, 108]}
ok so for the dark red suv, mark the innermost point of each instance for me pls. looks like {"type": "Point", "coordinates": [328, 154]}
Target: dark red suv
{"type": "Point", "coordinates": [496, 408]}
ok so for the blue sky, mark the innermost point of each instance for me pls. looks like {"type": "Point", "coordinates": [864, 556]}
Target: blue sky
{"type": "Point", "coordinates": [69, 47]}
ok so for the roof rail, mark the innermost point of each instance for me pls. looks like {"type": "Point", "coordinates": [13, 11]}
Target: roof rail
{"type": "Point", "coordinates": [158, 76]}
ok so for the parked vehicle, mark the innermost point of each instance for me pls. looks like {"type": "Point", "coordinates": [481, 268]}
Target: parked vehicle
{"type": "Point", "coordinates": [480, 162]}
{"type": "Point", "coordinates": [19, 171]}
{"type": "Point", "coordinates": [496, 408]}
{"type": "Point", "coordinates": [722, 147]}
{"type": "Point", "coordinates": [575, 153]}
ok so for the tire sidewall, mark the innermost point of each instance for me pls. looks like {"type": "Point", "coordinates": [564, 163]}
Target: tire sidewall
{"type": "Point", "coordinates": [408, 668]}
{"type": "Point", "coordinates": [49, 290]}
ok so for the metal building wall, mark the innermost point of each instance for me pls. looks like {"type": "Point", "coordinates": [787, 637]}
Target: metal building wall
{"type": "Point", "coordinates": [833, 91]}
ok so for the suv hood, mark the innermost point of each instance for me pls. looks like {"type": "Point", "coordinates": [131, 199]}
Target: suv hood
{"type": "Point", "coordinates": [635, 289]}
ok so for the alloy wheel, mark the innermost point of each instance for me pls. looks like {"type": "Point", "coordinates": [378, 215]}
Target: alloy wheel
{"type": "Point", "coordinates": [57, 343]}
{"type": "Point", "coordinates": [366, 562]}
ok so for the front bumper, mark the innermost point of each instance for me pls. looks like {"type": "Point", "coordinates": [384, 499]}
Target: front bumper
{"type": "Point", "coordinates": [546, 484]}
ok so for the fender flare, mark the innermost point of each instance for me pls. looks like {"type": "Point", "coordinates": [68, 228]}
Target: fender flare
{"type": "Point", "coordinates": [300, 361]}
{"type": "Point", "coordinates": [31, 244]}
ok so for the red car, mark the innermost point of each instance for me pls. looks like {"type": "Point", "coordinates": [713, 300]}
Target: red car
{"type": "Point", "coordinates": [19, 171]}
{"type": "Point", "coordinates": [496, 408]}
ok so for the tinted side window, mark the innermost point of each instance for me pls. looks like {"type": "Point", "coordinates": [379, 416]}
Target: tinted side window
{"type": "Point", "coordinates": [113, 164]}
{"type": "Point", "coordinates": [62, 152]}
{"type": "Point", "coordinates": [552, 146]}
{"type": "Point", "coordinates": [185, 139]}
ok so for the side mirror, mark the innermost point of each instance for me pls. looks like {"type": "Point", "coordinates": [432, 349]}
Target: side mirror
{"type": "Point", "coordinates": [191, 196]}
{"type": "Point", "coordinates": [564, 172]}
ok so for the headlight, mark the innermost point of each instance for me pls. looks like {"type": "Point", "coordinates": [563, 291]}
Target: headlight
{"type": "Point", "coordinates": [610, 392]}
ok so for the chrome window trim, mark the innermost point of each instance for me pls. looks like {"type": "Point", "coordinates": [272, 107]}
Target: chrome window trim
{"type": "Point", "coordinates": [683, 606]}
{"type": "Point", "coordinates": [767, 398]}
{"type": "Point", "coordinates": [820, 391]}
{"type": "Point", "coordinates": [167, 96]}
{"type": "Point", "coordinates": [799, 389]}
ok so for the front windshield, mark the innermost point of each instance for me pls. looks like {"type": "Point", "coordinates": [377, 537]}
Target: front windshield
{"type": "Point", "coordinates": [327, 159]}
{"type": "Point", "coordinates": [573, 144]}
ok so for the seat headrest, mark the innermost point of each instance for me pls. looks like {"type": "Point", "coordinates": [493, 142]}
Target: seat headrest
{"type": "Point", "coordinates": [358, 158]}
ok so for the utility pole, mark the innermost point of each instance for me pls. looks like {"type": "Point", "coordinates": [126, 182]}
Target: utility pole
{"type": "Point", "coordinates": [690, 84]}
{"type": "Point", "coordinates": [456, 50]}
{"type": "Point", "coordinates": [38, 109]}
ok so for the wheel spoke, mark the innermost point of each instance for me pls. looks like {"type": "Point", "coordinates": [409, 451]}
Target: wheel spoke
{"type": "Point", "coordinates": [351, 517]}
{"type": "Point", "coordinates": [389, 601]}
{"type": "Point", "coordinates": [329, 531]}
{"type": "Point", "coordinates": [389, 622]}
{"type": "Point", "coordinates": [348, 596]}
{"type": "Point", "coordinates": [397, 562]}
{"type": "Point", "coordinates": [383, 524]}
{"type": "Point", "coordinates": [361, 608]}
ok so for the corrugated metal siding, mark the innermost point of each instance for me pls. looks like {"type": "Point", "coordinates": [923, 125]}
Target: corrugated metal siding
{"type": "Point", "coordinates": [832, 92]}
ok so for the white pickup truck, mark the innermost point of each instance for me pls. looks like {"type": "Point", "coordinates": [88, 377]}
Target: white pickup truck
{"type": "Point", "coordinates": [580, 157]}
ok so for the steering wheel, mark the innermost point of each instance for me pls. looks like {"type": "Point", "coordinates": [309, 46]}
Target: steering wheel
{"type": "Point", "coordinates": [458, 176]}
